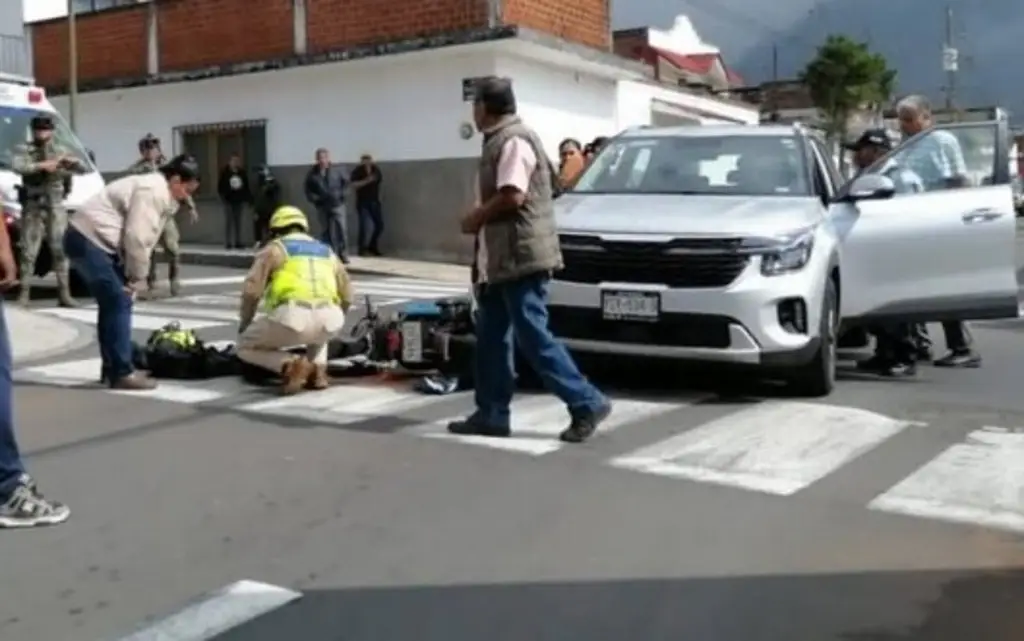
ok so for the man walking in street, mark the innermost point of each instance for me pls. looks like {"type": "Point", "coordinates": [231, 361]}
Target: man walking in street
{"type": "Point", "coordinates": [939, 162]}
{"type": "Point", "coordinates": [21, 503]}
{"type": "Point", "coordinates": [325, 190]}
{"type": "Point", "coordinates": [518, 251]}
{"type": "Point", "coordinates": [234, 192]}
{"type": "Point", "coordinates": [149, 162]}
{"type": "Point", "coordinates": [366, 180]}
{"type": "Point", "coordinates": [45, 173]}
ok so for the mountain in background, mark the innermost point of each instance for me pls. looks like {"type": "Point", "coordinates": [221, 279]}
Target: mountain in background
{"type": "Point", "coordinates": [909, 33]}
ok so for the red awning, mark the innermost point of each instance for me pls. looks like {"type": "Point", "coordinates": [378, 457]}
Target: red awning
{"type": "Point", "coordinates": [699, 63]}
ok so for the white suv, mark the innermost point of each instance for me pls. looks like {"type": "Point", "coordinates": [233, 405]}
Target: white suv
{"type": "Point", "coordinates": [737, 244]}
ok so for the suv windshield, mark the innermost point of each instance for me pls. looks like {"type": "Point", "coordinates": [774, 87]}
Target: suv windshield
{"type": "Point", "coordinates": [14, 131]}
{"type": "Point", "coordinates": [735, 165]}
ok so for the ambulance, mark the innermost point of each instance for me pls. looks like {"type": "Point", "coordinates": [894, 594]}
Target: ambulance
{"type": "Point", "coordinates": [20, 101]}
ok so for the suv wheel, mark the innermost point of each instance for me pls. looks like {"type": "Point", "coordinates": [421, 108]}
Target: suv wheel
{"type": "Point", "coordinates": [818, 377]}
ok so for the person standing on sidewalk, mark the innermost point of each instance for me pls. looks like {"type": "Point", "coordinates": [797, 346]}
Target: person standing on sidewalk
{"type": "Point", "coordinates": [21, 503]}
{"type": "Point", "coordinates": [110, 242]}
{"type": "Point", "coordinates": [149, 162]}
{"type": "Point", "coordinates": [517, 252]}
{"type": "Point", "coordinates": [939, 161]}
{"type": "Point", "coordinates": [233, 189]}
{"type": "Point", "coordinates": [366, 181]}
{"type": "Point", "coordinates": [45, 171]}
{"type": "Point", "coordinates": [325, 189]}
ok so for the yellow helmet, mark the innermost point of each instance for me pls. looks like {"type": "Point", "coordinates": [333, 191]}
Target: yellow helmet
{"type": "Point", "coordinates": [288, 216]}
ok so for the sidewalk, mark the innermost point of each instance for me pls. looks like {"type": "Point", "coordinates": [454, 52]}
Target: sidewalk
{"type": "Point", "coordinates": [35, 336]}
{"type": "Point", "coordinates": [360, 265]}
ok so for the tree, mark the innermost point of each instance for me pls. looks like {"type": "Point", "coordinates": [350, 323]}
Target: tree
{"type": "Point", "coordinates": [846, 76]}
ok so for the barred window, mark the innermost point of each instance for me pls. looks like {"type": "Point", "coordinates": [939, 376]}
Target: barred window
{"type": "Point", "coordinates": [214, 143]}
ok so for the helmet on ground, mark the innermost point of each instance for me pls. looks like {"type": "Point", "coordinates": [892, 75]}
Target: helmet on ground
{"type": "Point", "coordinates": [41, 122]}
{"type": "Point", "coordinates": [288, 216]}
{"type": "Point", "coordinates": [149, 141]}
{"type": "Point", "coordinates": [182, 166]}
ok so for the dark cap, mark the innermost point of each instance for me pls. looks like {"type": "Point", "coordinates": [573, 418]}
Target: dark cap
{"type": "Point", "coordinates": [496, 95]}
{"type": "Point", "coordinates": [41, 123]}
{"type": "Point", "coordinates": [149, 141]}
{"type": "Point", "coordinates": [183, 166]}
{"type": "Point", "coordinates": [871, 138]}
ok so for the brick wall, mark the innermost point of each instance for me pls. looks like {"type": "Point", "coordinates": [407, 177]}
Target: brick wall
{"type": "Point", "coordinates": [110, 44]}
{"type": "Point", "coordinates": [202, 33]}
{"type": "Point", "coordinates": [584, 21]}
{"type": "Point", "coordinates": [333, 24]}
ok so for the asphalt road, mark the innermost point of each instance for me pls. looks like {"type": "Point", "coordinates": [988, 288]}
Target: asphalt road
{"type": "Point", "coordinates": [701, 519]}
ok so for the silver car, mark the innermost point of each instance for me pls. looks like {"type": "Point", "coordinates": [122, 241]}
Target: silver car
{"type": "Point", "coordinates": [740, 245]}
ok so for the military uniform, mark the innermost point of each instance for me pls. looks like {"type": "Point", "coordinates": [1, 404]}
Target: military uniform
{"type": "Point", "coordinates": [169, 239]}
{"type": "Point", "coordinates": [43, 216]}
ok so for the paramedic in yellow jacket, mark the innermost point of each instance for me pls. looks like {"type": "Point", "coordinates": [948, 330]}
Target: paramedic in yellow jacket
{"type": "Point", "coordinates": [305, 292]}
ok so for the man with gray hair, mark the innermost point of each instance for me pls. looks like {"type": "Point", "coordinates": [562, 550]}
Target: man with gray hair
{"type": "Point", "coordinates": [939, 161]}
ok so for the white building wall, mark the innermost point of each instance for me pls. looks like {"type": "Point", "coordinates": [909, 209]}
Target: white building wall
{"type": "Point", "coordinates": [636, 100]}
{"type": "Point", "coordinates": [397, 108]}
{"type": "Point", "coordinates": [560, 103]}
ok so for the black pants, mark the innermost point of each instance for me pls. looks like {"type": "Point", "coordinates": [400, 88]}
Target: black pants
{"type": "Point", "coordinates": [958, 337]}
{"type": "Point", "coordinates": [896, 342]}
{"type": "Point", "coordinates": [233, 225]}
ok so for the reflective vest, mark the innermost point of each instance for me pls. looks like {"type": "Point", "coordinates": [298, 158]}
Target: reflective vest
{"type": "Point", "coordinates": [307, 276]}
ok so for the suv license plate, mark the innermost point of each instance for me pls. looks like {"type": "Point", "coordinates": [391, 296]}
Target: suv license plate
{"type": "Point", "coordinates": [412, 342]}
{"type": "Point", "coordinates": [631, 306]}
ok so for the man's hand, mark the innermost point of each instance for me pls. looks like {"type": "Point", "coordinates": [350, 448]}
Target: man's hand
{"type": "Point", "coordinates": [8, 272]}
{"type": "Point", "coordinates": [472, 222]}
{"type": "Point", "coordinates": [48, 165]}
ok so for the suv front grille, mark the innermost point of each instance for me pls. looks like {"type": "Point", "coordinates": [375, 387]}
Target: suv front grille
{"type": "Point", "coordinates": [676, 330]}
{"type": "Point", "coordinates": [714, 262]}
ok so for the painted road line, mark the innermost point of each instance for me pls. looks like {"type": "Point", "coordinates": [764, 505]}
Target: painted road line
{"type": "Point", "coordinates": [86, 371]}
{"type": "Point", "coordinates": [979, 481]}
{"type": "Point", "coordinates": [215, 613]}
{"type": "Point", "coordinates": [345, 404]}
{"type": "Point", "coordinates": [140, 322]}
{"type": "Point", "coordinates": [776, 447]}
{"type": "Point", "coordinates": [537, 420]}
{"type": "Point", "coordinates": [237, 279]}
{"type": "Point", "coordinates": [213, 300]}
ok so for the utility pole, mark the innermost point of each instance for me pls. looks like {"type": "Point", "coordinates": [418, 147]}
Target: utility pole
{"type": "Point", "coordinates": [775, 62]}
{"type": "Point", "coordinates": [72, 65]}
{"type": "Point", "coordinates": [950, 60]}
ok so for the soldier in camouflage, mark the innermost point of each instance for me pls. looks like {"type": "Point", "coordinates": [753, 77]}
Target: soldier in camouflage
{"type": "Point", "coordinates": [150, 161]}
{"type": "Point", "coordinates": [45, 170]}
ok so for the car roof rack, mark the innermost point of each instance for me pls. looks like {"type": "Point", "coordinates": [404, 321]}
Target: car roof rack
{"type": "Point", "coordinates": [15, 79]}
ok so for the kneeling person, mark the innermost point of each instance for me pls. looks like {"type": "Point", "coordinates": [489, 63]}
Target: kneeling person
{"type": "Point", "coordinates": [305, 291]}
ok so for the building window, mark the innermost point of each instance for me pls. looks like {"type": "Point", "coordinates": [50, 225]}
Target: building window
{"type": "Point", "coordinates": [212, 144]}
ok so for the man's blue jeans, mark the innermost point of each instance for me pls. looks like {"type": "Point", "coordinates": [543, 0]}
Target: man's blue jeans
{"type": "Point", "coordinates": [11, 467]}
{"type": "Point", "coordinates": [371, 225]}
{"type": "Point", "coordinates": [519, 308]}
{"type": "Point", "coordinates": [103, 273]}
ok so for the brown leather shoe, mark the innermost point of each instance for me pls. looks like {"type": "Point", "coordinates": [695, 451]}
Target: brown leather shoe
{"type": "Point", "coordinates": [135, 381]}
{"type": "Point", "coordinates": [294, 375]}
{"type": "Point", "coordinates": [318, 379]}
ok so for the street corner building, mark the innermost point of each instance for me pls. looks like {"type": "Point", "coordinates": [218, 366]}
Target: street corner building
{"type": "Point", "coordinates": [274, 80]}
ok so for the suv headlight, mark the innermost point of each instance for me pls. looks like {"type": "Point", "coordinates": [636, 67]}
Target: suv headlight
{"type": "Point", "coordinates": [784, 254]}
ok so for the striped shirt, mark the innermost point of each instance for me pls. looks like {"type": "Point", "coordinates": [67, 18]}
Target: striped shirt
{"type": "Point", "coordinates": [936, 158]}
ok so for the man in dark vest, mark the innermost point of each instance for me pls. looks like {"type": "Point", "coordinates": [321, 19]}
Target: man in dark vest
{"type": "Point", "coordinates": [517, 251]}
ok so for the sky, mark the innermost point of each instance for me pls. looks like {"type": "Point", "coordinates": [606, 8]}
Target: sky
{"type": "Point", "coordinates": [43, 9]}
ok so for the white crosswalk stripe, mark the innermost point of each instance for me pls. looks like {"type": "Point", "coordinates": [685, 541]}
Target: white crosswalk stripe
{"type": "Point", "coordinates": [206, 310]}
{"type": "Point", "coordinates": [780, 448]}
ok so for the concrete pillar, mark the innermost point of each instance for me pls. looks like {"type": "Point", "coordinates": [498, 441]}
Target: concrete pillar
{"type": "Point", "coordinates": [299, 26]}
{"type": "Point", "coordinates": [152, 40]}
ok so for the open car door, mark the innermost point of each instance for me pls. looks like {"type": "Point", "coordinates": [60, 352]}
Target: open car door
{"type": "Point", "coordinates": [942, 247]}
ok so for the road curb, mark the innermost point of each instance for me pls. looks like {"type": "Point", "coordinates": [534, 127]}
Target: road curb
{"type": "Point", "coordinates": [84, 336]}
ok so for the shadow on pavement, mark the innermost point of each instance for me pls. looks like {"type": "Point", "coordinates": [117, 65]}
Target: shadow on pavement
{"type": "Point", "coordinates": [880, 606]}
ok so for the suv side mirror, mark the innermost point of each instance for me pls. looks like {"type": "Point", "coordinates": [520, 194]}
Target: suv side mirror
{"type": "Point", "coordinates": [871, 187]}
